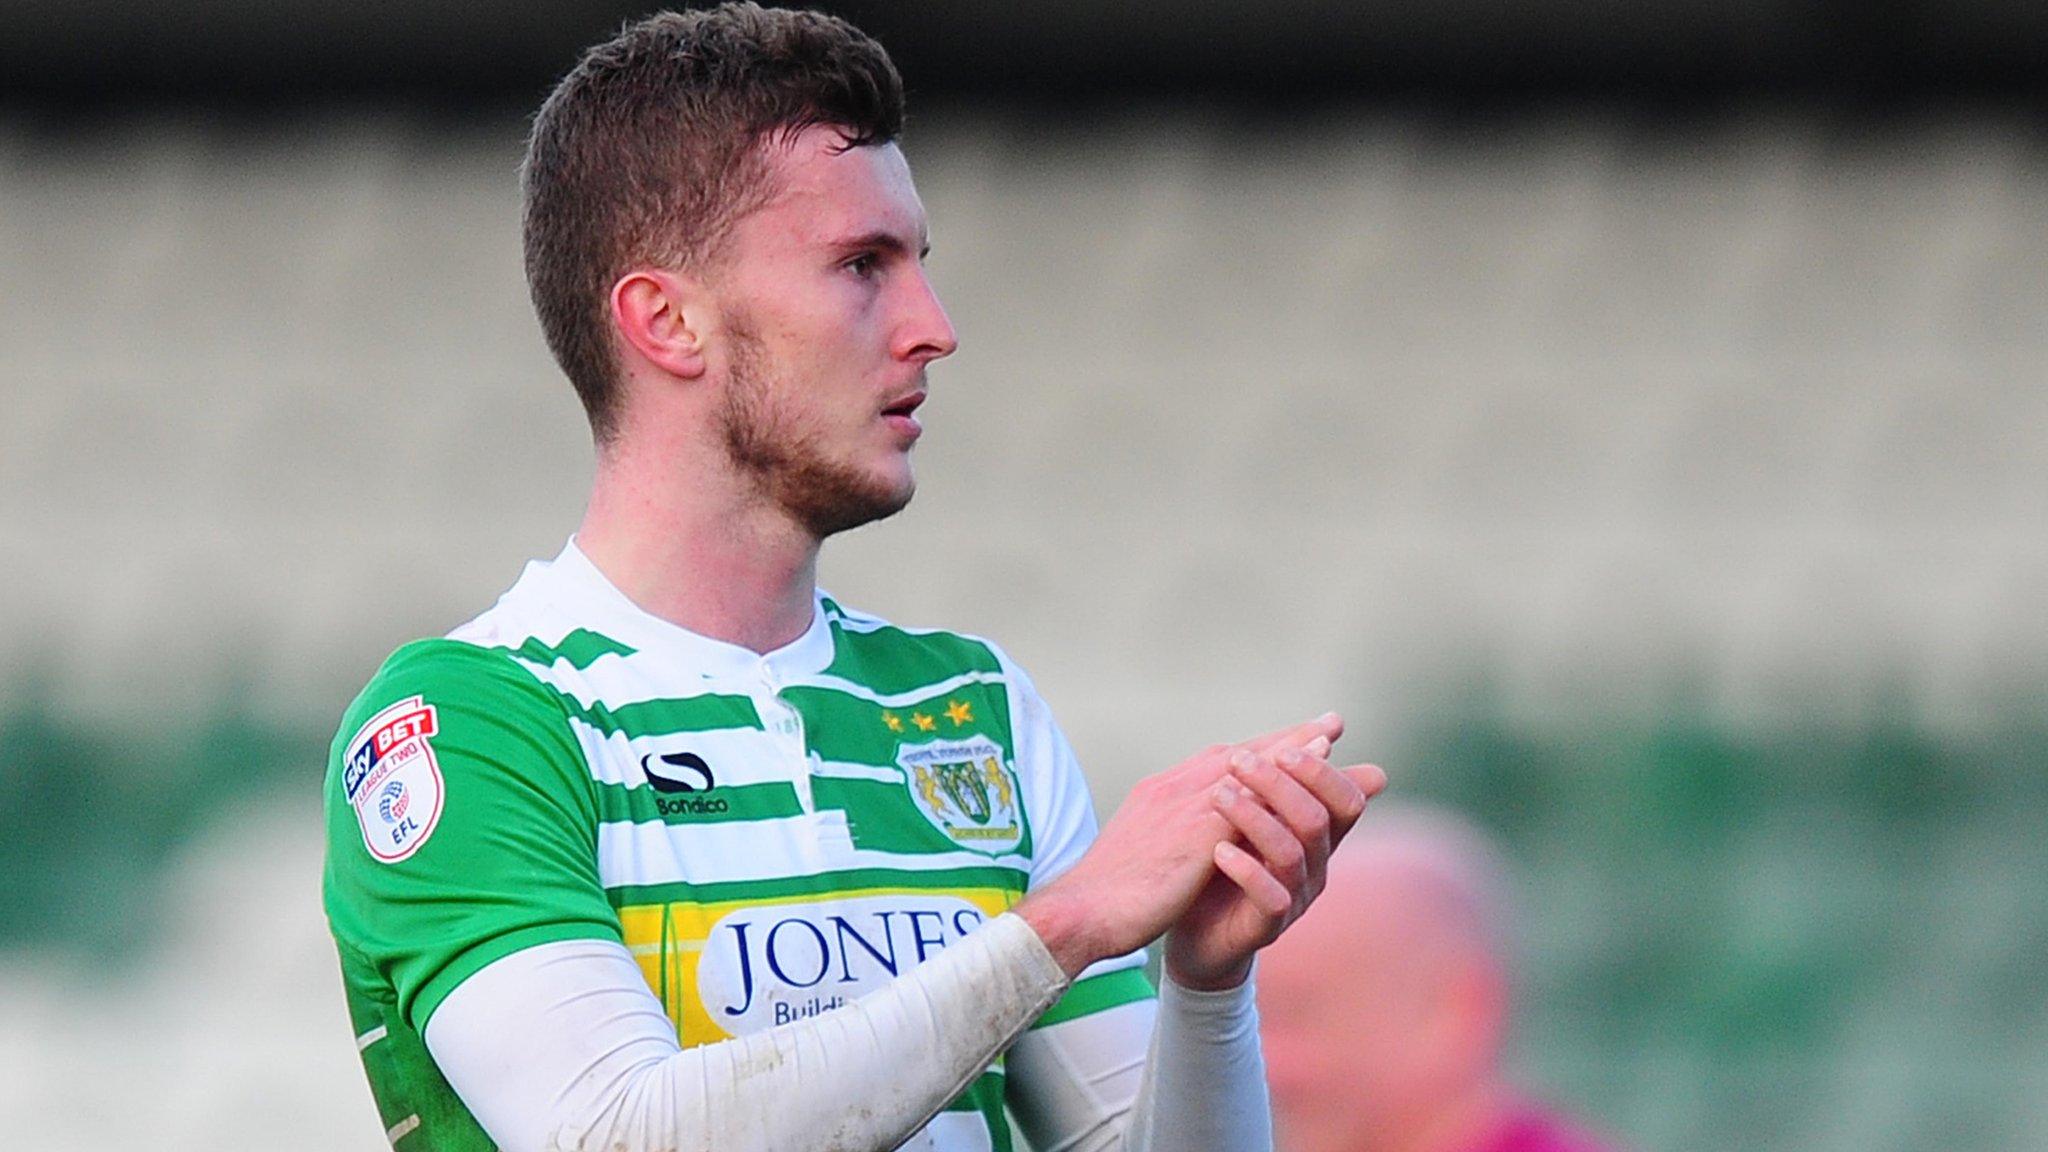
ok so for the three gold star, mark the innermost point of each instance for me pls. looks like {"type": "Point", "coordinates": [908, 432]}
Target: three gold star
{"type": "Point", "coordinates": [960, 712]}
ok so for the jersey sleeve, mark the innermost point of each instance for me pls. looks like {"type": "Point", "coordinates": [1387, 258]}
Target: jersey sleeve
{"type": "Point", "coordinates": [1063, 826]}
{"type": "Point", "coordinates": [461, 823]}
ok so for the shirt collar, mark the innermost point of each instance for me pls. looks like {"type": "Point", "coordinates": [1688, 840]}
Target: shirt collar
{"type": "Point", "coordinates": [575, 585]}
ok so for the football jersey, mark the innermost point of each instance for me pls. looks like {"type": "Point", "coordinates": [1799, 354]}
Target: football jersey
{"type": "Point", "coordinates": [770, 836]}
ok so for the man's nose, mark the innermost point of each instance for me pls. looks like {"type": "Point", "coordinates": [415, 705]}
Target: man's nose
{"type": "Point", "coordinates": [925, 333]}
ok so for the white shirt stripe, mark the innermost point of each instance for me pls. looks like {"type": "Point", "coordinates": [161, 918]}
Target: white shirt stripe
{"type": "Point", "coordinates": [744, 850]}
{"type": "Point", "coordinates": [905, 699]}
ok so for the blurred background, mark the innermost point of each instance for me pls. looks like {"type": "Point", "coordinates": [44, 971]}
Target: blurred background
{"type": "Point", "coordinates": [1634, 417]}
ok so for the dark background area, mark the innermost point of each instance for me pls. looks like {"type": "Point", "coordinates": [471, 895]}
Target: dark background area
{"type": "Point", "coordinates": [1682, 52]}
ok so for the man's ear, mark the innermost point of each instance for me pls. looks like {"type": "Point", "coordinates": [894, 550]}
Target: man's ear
{"type": "Point", "coordinates": [660, 315]}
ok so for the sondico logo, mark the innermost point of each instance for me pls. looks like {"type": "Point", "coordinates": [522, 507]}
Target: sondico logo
{"type": "Point", "coordinates": [675, 777]}
{"type": "Point", "coordinates": [769, 965]}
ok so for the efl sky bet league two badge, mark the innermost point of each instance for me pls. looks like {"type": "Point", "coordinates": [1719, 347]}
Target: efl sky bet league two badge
{"type": "Point", "coordinates": [965, 790]}
{"type": "Point", "coordinates": [392, 780]}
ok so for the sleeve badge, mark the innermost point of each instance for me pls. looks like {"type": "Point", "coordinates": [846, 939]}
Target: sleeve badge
{"type": "Point", "coordinates": [392, 780]}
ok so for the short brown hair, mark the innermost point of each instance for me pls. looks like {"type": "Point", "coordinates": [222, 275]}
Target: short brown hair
{"type": "Point", "coordinates": [651, 147]}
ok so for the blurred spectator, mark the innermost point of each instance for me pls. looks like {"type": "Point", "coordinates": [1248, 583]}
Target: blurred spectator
{"type": "Point", "coordinates": [1385, 1010]}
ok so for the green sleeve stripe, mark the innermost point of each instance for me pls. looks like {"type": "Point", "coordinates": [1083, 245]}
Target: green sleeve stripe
{"type": "Point", "coordinates": [985, 1095]}
{"type": "Point", "coordinates": [1098, 993]}
{"type": "Point", "coordinates": [819, 884]}
{"type": "Point", "coordinates": [469, 963]}
{"type": "Point", "coordinates": [643, 805]}
{"type": "Point", "coordinates": [580, 648]}
{"type": "Point", "coordinates": [665, 716]}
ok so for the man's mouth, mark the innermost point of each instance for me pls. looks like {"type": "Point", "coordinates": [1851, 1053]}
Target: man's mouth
{"type": "Point", "coordinates": [902, 416]}
{"type": "Point", "coordinates": [905, 407]}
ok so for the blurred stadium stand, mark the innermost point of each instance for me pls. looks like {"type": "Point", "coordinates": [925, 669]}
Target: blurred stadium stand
{"type": "Point", "coordinates": [1682, 50]}
{"type": "Point", "coordinates": [1669, 491]}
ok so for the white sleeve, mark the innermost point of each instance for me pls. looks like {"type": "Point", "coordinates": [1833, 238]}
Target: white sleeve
{"type": "Point", "coordinates": [562, 1046]}
{"type": "Point", "coordinates": [1061, 811]}
{"type": "Point", "coordinates": [1180, 1074]}
{"type": "Point", "coordinates": [1183, 1072]}
{"type": "Point", "coordinates": [1205, 1079]}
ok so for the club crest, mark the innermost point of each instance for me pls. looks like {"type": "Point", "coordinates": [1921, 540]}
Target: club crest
{"type": "Point", "coordinates": [966, 791]}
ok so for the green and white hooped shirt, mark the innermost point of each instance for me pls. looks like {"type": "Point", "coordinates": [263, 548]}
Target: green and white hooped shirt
{"type": "Point", "coordinates": [770, 836]}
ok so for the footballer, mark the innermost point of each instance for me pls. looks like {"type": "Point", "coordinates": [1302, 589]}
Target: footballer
{"type": "Point", "coordinates": [667, 848]}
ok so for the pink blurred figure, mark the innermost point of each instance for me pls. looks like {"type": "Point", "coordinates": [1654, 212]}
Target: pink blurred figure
{"type": "Point", "coordinates": [1385, 1010]}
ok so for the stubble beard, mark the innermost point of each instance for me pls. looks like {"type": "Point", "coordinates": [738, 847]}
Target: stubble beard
{"type": "Point", "coordinates": [787, 465]}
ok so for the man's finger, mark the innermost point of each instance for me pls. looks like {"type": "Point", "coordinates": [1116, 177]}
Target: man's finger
{"type": "Point", "coordinates": [1303, 812]}
{"type": "Point", "coordinates": [1328, 727]}
{"type": "Point", "coordinates": [1266, 894]}
{"type": "Point", "coordinates": [1341, 796]}
{"type": "Point", "coordinates": [1370, 780]}
{"type": "Point", "coordinates": [1273, 842]}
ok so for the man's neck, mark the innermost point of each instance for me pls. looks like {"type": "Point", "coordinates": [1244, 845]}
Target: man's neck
{"type": "Point", "coordinates": [731, 568]}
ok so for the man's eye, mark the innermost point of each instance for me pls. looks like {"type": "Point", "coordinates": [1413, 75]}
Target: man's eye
{"type": "Point", "coordinates": [863, 266]}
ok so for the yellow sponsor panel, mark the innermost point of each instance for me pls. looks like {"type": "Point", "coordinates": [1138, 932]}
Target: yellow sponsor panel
{"type": "Point", "coordinates": [727, 968]}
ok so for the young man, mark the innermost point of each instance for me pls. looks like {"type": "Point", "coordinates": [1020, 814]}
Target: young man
{"type": "Point", "coordinates": [666, 849]}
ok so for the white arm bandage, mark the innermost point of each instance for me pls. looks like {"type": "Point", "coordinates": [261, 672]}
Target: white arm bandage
{"type": "Point", "coordinates": [562, 1046]}
{"type": "Point", "coordinates": [1089, 1084]}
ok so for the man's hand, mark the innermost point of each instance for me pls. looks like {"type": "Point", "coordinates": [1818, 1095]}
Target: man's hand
{"type": "Point", "coordinates": [1157, 854]}
{"type": "Point", "coordinates": [1290, 807]}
